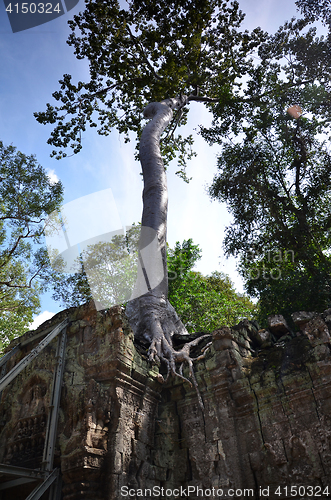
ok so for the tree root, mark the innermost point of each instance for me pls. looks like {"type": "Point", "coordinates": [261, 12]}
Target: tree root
{"type": "Point", "coordinates": [156, 320]}
{"type": "Point", "coordinates": [162, 351]}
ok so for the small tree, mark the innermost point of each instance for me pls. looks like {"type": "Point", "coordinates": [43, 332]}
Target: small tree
{"type": "Point", "coordinates": [27, 197]}
{"type": "Point", "coordinates": [105, 270]}
{"type": "Point", "coordinates": [203, 303]}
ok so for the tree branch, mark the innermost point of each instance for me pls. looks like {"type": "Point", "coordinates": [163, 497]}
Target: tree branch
{"type": "Point", "coordinates": [141, 50]}
{"type": "Point", "coordinates": [198, 98]}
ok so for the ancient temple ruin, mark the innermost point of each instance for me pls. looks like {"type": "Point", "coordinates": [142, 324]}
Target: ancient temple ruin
{"type": "Point", "coordinates": [83, 415]}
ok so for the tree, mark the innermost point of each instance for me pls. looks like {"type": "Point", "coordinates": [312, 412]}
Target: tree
{"type": "Point", "coordinates": [275, 175]}
{"type": "Point", "coordinates": [104, 271]}
{"type": "Point", "coordinates": [150, 52]}
{"type": "Point", "coordinates": [163, 55]}
{"type": "Point", "coordinates": [315, 10]}
{"type": "Point", "coordinates": [27, 196]}
{"type": "Point", "coordinates": [203, 303]}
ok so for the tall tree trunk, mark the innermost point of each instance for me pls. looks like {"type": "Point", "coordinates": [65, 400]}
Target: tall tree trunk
{"type": "Point", "coordinates": [151, 316]}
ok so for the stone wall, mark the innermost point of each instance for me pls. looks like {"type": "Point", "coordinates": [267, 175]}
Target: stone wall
{"type": "Point", "coordinates": [266, 423]}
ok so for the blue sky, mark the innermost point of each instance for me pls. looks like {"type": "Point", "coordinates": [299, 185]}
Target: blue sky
{"type": "Point", "coordinates": [32, 62]}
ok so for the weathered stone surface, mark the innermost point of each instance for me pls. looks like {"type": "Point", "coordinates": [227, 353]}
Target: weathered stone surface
{"type": "Point", "coordinates": [302, 317]}
{"type": "Point", "coordinates": [278, 325]}
{"type": "Point", "coordinates": [266, 422]}
{"type": "Point", "coordinates": [263, 336]}
{"type": "Point", "coordinates": [316, 330]}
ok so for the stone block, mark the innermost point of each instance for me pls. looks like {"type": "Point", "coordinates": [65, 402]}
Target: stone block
{"type": "Point", "coordinates": [302, 317]}
{"type": "Point", "coordinates": [266, 416]}
{"type": "Point", "coordinates": [278, 325]}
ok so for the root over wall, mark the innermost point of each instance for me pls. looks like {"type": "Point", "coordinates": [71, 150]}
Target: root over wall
{"type": "Point", "coordinates": [266, 422]}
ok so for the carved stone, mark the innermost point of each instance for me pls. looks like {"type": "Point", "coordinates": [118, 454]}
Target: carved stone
{"type": "Point", "coordinates": [266, 422]}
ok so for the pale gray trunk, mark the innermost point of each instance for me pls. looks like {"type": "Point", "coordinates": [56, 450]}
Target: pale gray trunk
{"type": "Point", "coordinates": [151, 316]}
{"type": "Point", "coordinates": [155, 208]}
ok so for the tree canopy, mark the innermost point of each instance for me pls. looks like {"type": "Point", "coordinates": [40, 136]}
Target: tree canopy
{"type": "Point", "coordinates": [27, 197]}
{"type": "Point", "coordinates": [316, 10]}
{"type": "Point", "coordinates": [144, 53]}
{"type": "Point", "coordinates": [274, 173]}
{"type": "Point", "coordinates": [204, 303]}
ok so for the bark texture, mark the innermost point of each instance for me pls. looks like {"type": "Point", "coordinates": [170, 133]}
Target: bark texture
{"type": "Point", "coordinates": [151, 316]}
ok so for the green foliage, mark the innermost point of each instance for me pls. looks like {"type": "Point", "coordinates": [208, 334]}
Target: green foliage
{"type": "Point", "coordinates": [203, 303]}
{"type": "Point", "coordinates": [284, 285]}
{"type": "Point", "coordinates": [275, 175]}
{"type": "Point", "coordinates": [316, 9]}
{"type": "Point", "coordinates": [180, 261]}
{"type": "Point", "coordinates": [105, 271]}
{"type": "Point", "coordinates": [147, 52]}
{"type": "Point", "coordinates": [27, 196]}
{"type": "Point", "coordinates": [71, 289]}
